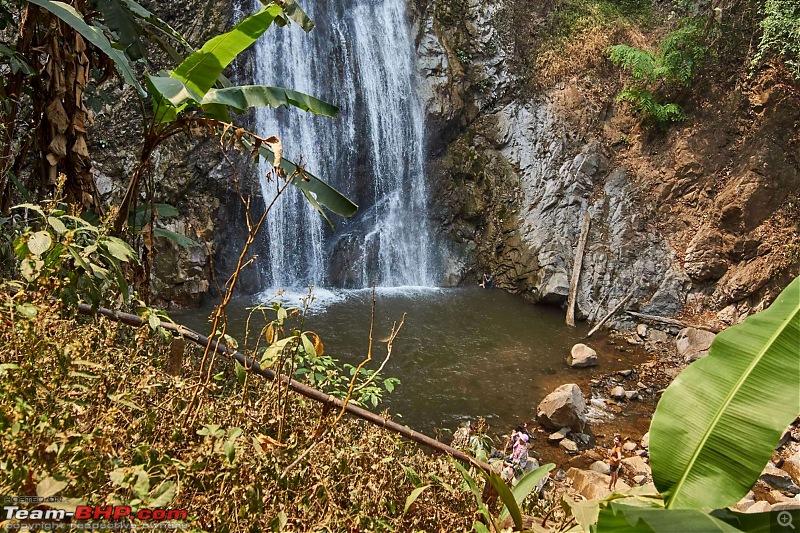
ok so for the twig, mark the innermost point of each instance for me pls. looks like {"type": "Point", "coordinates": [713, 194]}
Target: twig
{"type": "Point", "coordinates": [388, 352]}
{"type": "Point", "coordinates": [673, 322]}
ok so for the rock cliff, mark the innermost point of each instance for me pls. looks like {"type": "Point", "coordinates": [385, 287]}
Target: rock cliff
{"type": "Point", "coordinates": [700, 218]}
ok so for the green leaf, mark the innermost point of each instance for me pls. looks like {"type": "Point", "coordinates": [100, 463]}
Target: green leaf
{"type": "Point", "coordinates": [181, 240]}
{"type": "Point", "coordinates": [57, 225]}
{"type": "Point", "coordinates": [411, 475]}
{"type": "Point", "coordinates": [718, 423]}
{"type": "Point", "coordinates": [27, 310]}
{"type": "Point", "coordinates": [244, 97]}
{"type": "Point", "coordinates": [623, 518]}
{"type": "Point", "coordinates": [511, 505]}
{"type": "Point", "coordinates": [241, 373]}
{"type": "Point", "coordinates": [413, 496]}
{"type": "Point", "coordinates": [39, 242]}
{"type": "Point", "coordinates": [201, 69]}
{"type": "Point", "coordinates": [526, 485]}
{"type": "Point", "coordinates": [122, 22]}
{"type": "Point", "coordinates": [118, 248]}
{"type": "Point", "coordinates": [175, 91]}
{"type": "Point", "coordinates": [95, 36]}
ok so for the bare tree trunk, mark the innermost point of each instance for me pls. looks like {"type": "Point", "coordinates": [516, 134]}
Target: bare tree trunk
{"type": "Point", "coordinates": [576, 270]}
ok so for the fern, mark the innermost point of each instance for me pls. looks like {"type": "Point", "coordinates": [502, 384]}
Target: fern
{"type": "Point", "coordinates": [641, 63]}
{"type": "Point", "coordinates": [673, 65]}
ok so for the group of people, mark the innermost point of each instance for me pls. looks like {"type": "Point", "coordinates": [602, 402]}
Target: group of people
{"type": "Point", "coordinates": [515, 452]}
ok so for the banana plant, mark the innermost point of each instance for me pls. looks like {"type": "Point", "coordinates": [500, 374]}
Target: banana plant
{"type": "Point", "coordinates": [196, 93]}
{"type": "Point", "coordinates": [714, 429]}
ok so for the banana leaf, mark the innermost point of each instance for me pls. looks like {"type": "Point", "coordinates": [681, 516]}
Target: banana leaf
{"type": "Point", "coordinates": [202, 68]}
{"type": "Point", "coordinates": [244, 97]}
{"type": "Point", "coordinates": [718, 423]}
{"type": "Point", "coordinates": [623, 518]}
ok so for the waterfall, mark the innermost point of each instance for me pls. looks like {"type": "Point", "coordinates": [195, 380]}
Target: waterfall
{"type": "Point", "coordinates": [360, 58]}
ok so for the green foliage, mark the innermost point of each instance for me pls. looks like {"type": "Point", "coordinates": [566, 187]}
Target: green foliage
{"type": "Point", "coordinates": [512, 499]}
{"type": "Point", "coordinates": [301, 354]}
{"type": "Point", "coordinates": [68, 255]}
{"type": "Point", "coordinates": [673, 65]}
{"type": "Point", "coordinates": [574, 17]}
{"type": "Point", "coordinates": [780, 34]}
{"type": "Point", "coordinates": [706, 449]}
{"type": "Point", "coordinates": [712, 454]}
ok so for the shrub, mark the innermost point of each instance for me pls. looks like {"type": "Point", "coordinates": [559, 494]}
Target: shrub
{"type": "Point", "coordinates": [781, 34]}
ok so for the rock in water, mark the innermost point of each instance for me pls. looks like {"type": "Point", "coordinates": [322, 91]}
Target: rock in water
{"type": "Point", "coordinates": [641, 330]}
{"type": "Point", "coordinates": [582, 356]}
{"type": "Point", "coordinates": [646, 440]}
{"type": "Point", "coordinates": [564, 407]}
{"type": "Point", "coordinates": [693, 343]}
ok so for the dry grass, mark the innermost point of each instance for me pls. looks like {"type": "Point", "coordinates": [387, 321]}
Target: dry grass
{"type": "Point", "coordinates": [89, 403]}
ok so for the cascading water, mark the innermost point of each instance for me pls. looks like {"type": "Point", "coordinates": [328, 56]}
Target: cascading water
{"type": "Point", "coordinates": [360, 58]}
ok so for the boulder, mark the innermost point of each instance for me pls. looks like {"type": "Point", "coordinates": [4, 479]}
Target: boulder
{"type": "Point", "coordinates": [558, 436]}
{"type": "Point", "coordinates": [640, 480]}
{"type": "Point", "coordinates": [629, 447]}
{"type": "Point", "coordinates": [634, 466]}
{"type": "Point", "coordinates": [759, 507]}
{"type": "Point", "coordinates": [618, 392]}
{"type": "Point", "coordinates": [693, 343]}
{"type": "Point", "coordinates": [792, 505]}
{"type": "Point", "coordinates": [592, 485]}
{"type": "Point", "coordinates": [656, 335]}
{"type": "Point", "coordinates": [704, 258]}
{"type": "Point", "coordinates": [581, 356]}
{"type": "Point", "coordinates": [792, 467]}
{"type": "Point", "coordinates": [600, 466]}
{"type": "Point", "coordinates": [564, 407]}
{"type": "Point", "coordinates": [568, 446]}
{"type": "Point", "coordinates": [745, 503]}
{"type": "Point", "coordinates": [779, 479]}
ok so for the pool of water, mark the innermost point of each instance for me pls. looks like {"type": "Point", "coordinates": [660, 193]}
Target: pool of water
{"type": "Point", "coordinates": [462, 353]}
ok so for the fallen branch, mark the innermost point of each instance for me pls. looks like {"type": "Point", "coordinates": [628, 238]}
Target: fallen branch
{"type": "Point", "coordinates": [304, 390]}
{"type": "Point", "coordinates": [609, 315]}
{"type": "Point", "coordinates": [674, 322]}
{"type": "Point", "coordinates": [576, 270]}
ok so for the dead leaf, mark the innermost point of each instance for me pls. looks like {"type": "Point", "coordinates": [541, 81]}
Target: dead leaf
{"type": "Point", "coordinates": [58, 145]}
{"type": "Point", "coordinates": [80, 147]}
{"type": "Point", "coordinates": [277, 149]}
{"type": "Point", "coordinates": [57, 116]}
